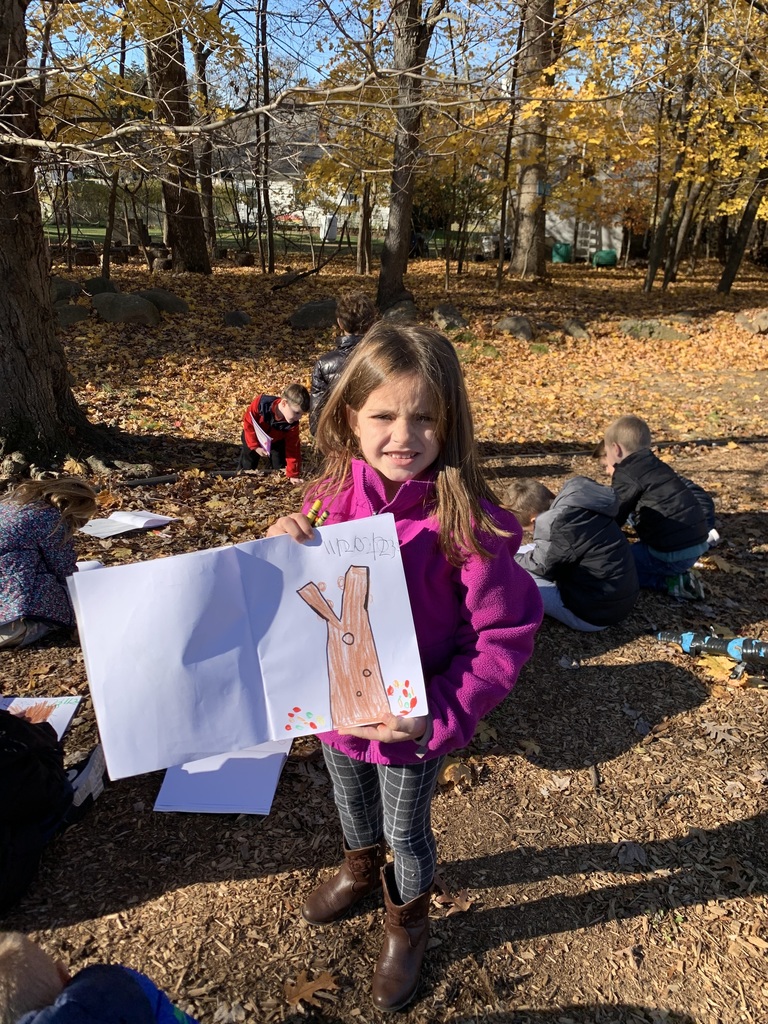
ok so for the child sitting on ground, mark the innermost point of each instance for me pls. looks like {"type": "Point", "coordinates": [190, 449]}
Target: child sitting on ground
{"type": "Point", "coordinates": [40, 798]}
{"type": "Point", "coordinates": [277, 418]}
{"type": "Point", "coordinates": [355, 313]}
{"type": "Point", "coordinates": [669, 520]}
{"type": "Point", "coordinates": [37, 522]}
{"type": "Point", "coordinates": [580, 559]}
{"type": "Point", "coordinates": [36, 989]}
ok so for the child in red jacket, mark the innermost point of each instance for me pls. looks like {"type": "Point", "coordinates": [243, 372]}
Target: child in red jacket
{"type": "Point", "coordinates": [271, 431]}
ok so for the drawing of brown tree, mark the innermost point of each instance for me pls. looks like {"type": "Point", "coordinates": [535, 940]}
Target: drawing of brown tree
{"type": "Point", "coordinates": [358, 695]}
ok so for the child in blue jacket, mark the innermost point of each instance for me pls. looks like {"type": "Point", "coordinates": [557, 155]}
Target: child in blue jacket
{"type": "Point", "coordinates": [36, 989]}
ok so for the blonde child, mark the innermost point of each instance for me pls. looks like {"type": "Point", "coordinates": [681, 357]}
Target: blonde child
{"type": "Point", "coordinates": [37, 522]}
{"type": "Point", "coordinates": [36, 989]}
{"type": "Point", "coordinates": [670, 522]}
{"type": "Point", "coordinates": [397, 437]}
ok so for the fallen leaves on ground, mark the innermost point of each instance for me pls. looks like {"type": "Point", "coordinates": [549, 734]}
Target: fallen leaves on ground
{"type": "Point", "coordinates": [309, 990]}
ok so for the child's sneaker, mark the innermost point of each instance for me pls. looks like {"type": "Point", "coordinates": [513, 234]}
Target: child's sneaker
{"type": "Point", "coordinates": [685, 587]}
{"type": "Point", "coordinates": [87, 780]}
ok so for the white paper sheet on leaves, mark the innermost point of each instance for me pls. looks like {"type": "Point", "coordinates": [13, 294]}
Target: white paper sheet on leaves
{"type": "Point", "coordinates": [243, 782]}
{"type": "Point", "coordinates": [124, 522]}
{"type": "Point", "coordinates": [215, 650]}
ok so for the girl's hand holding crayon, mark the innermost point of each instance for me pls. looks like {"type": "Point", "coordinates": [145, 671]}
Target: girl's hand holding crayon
{"type": "Point", "coordinates": [296, 525]}
{"type": "Point", "coordinates": [392, 730]}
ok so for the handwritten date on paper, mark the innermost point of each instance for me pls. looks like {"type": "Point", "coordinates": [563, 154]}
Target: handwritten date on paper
{"type": "Point", "coordinates": [363, 544]}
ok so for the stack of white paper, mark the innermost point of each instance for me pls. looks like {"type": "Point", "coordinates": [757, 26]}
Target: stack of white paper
{"type": "Point", "coordinates": [124, 522]}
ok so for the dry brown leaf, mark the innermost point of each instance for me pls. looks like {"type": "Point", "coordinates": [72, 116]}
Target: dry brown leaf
{"type": "Point", "coordinates": [455, 772]}
{"type": "Point", "coordinates": [457, 903]}
{"type": "Point", "coordinates": [305, 990]}
{"type": "Point", "coordinates": [529, 747]}
{"type": "Point", "coordinates": [75, 468]}
{"type": "Point", "coordinates": [725, 566]}
{"type": "Point", "coordinates": [717, 667]}
{"type": "Point", "coordinates": [721, 733]}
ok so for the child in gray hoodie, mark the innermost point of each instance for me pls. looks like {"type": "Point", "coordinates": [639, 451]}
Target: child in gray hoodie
{"type": "Point", "coordinates": [580, 558]}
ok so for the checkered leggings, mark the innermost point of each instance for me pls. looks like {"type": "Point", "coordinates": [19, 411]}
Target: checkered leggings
{"type": "Point", "coordinates": [393, 801]}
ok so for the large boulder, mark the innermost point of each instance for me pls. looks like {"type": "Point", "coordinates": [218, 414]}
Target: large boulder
{"type": "Point", "coordinates": [71, 314]}
{"type": "Point", "coordinates": [448, 318]}
{"type": "Point", "coordinates": [96, 285]}
{"type": "Point", "coordinates": [165, 301]}
{"type": "Point", "coordinates": [86, 258]}
{"type": "Point", "coordinates": [518, 326]}
{"type": "Point", "coordinates": [757, 323]}
{"type": "Point", "coordinates": [243, 259]}
{"type": "Point", "coordinates": [576, 329]}
{"type": "Point", "coordinates": [61, 288]}
{"type": "Point", "coordinates": [236, 318]}
{"type": "Point", "coordinates": [317, 315]}
{"type": "Point", "coordinates": [126, 309]}
{"type": "Point", "coordinates": [652, 329]}
{"type": "Point", "coordinates": [402, 312]}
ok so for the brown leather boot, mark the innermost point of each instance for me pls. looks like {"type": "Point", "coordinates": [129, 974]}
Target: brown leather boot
{"type": "Point", "coordinates": [357, 876]}
{"type": "Point", "coordinates": [406, 930]}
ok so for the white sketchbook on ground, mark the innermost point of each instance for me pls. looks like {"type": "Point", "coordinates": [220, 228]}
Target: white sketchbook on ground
{"type": "Point", "coordinates": [214, 651]}
{"type": "Point", "coordinates": [243, 782]}
{"type": "Point", "coordinates": [57, 711]}
{"type": "Point", "coordinates": [123, 522]}
{"type": "Point", "coordinates": [265, 441]}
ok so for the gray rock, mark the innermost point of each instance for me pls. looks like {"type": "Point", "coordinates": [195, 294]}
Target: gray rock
{"type": "Point", "coordinates": [576, 329]}
{"type": "Point", "coordinates": [126, 309]}
{"type": "Point", "coordinates": [243, 259]}
{"type": "Point", "coordinates": [69, 315]}
{"type": "Point", "coordinates": [165, 301]}
{"type": "Point", "coordinates": [96, 285]}
{"type": "Point", "coordinates": [61, 288]}
{"type": "Point", "coordinates": [162, 263]}
{"type": "Point", "coordinates": [237, 318]}
{"type": "Point", "coordinates": [319, 314]}
{"type": "Point", "coordinates": [517, 326]}
{"type": "Point", "coordinates": [86, 258]}
{"type": "Point", "coordinates": [448, 318]}
{"type": "Point", "coordinates": [653, 329]}
{"type": "Point", "coordinates": [757, 324]}
{"type": "Point", "coordinates": [402, 312]}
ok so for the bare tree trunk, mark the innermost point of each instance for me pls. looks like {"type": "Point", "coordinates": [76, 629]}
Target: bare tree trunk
{"type": "Point", "coordinates": [528, 259]}
{"type": "Point", "coordinates": [38, 413]}
{"type": "Point", "coordinates": [205, 161]}
{"type": "Point", "coordinates": [266, 136]}
{"type": "Point", "coordinates": [364, 253]}
{"type": "Point", "coordinates": [412, 34]}
{"type": "Point", "coordinates": [508, 154]}
{"type": "Point", "coordinates": [168, 78]}
{"type": "Point", "coordinates": [738, 248]}
{"type": "Point", "coordinates": [683, 227]}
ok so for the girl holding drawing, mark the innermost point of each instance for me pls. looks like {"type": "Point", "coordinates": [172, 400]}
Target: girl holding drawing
{"type": "Point", "coordinates": [37, 521]}
{"type": "Point", "coordinates": [397, 437]}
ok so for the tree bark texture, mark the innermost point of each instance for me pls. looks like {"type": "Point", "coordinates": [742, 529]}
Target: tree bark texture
{"type": "Point", "coordinates": [412, 33]}
{"type": "Point", "coordinates": [38, 413]}
{"type": "Point", "coordinates": [185, 234]}
{"type": "Point", "coordinates": [529, 257]}
{"type": "Point", "coordinates": [205, 161]}
{"type": "Point", "coordinates": [358, 694]}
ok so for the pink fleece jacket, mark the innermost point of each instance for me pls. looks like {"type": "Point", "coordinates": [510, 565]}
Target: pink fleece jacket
{"type": "Point", "coordinates": [475, 623]}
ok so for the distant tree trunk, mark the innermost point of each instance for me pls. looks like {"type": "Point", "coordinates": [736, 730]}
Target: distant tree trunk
{"type": "Point", "coordinates": [739, 246]}
{"type": "Point", "coordinates": [265, 134]}
{"type": "Point", "coordinates": [38, 413]}
{"type": "Point", "coordinates": [181, 200]}
{"type": "Point", "coordinates": [528, 259]}
{"type": "Point", "coordinates": [412, 34]}
{"type": "Point", "coordinates": [205, 162]}
{"type": "Point", "coordinates": [364, 247]}
{"type": "Point", "coordinates": [684, 225]}
{"type": "Point", "coordinates": [504, 216]}
{"type": "Point", "coordinates": [114, 180]}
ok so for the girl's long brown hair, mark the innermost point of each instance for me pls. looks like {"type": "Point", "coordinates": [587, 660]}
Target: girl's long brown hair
{"type": "Point", "coordinates": [74, 498]}
{"type": "Point", "coordinates": [393, 350]}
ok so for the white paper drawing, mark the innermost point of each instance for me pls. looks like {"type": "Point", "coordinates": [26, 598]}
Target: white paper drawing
{"type": "Point", "coordinates": [218, 650]}
{"type": "Point", "coordinates": [57, 711]}
{"type": "Point", "coordinates": [124, 522]}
